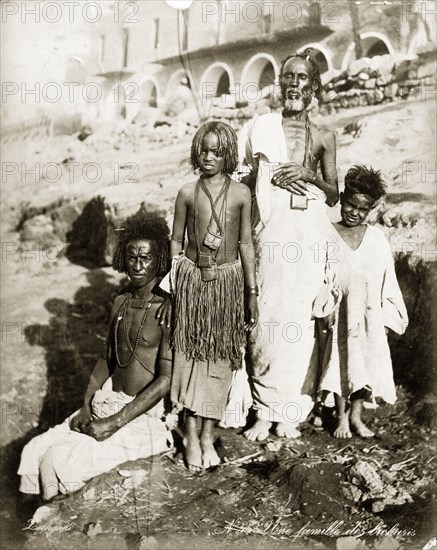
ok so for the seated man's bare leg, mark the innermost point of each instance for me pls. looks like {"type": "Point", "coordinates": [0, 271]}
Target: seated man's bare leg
{"type": "Point", "coordinates": [193, 451]}
{"type": "Point", "coordinates": [342, 431]}
{"type": "Point", "coordinates": [210, 458]}
{"type": "Point", "coordinates": [356, 423]}
{"type": "Point", "coordinates": [49, 480]}
{"type": "Point", "coordinates": [259, 431]}
{"type": "Point", "coordinates": [289, 431]}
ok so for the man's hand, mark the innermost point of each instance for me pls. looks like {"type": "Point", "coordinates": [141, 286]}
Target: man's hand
{"type": "Point", "coordinates": [82, 419]}
{"type": "Point", "coordinates": [252, 312]}
{"type": "Point", "coordinates": [102, 428]}
{"type": "Point", "coordinates": [163, 313]}
{"type": "Point", "coordinates": [292, 176]}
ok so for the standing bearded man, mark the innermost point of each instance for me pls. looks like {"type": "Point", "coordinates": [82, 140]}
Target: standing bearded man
{"type": "Point", "coordinates": [283, 152]}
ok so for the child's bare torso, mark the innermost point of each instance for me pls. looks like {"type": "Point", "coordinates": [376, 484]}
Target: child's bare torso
{"type": "Point", "coordinates": [228, 251]}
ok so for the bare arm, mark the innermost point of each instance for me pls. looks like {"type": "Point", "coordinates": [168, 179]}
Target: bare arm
{"type": "Point", "coordinates": [328, 165]}
{"type": "Point", "coordinates": [247, 255]}
{"type": "Point", "coordinates": [103, 428]}
{"type": "Point", "coordinates": [99, 375]}
{"type": "Point", "coordinates": [179, 223]}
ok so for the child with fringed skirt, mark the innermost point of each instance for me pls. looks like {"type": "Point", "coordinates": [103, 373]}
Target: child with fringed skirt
{"type": "Point", "coordinates": [210, 280]}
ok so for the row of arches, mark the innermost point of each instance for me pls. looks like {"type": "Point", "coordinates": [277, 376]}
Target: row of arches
{"type": "Point", "coordinates": [261, 70]}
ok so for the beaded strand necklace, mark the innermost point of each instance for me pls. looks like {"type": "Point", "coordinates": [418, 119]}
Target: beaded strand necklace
{"type": "Point", "coordinates": [133, 349]}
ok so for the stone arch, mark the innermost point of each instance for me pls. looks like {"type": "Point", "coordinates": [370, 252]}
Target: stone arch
{"type": "Point", "coordinates": [115, 103]}
{"type": "Point", "coordinates": [218, 79]}
{"type": "Point", "coordinates": [177, 79]}
{"type": "Point", "coordinates": [376, 43]}
{"type": "Point", "coordinates": [373, 43]}
{"type": "Point", "coordinates": [261, 70]}
{"type": "Point", "coordinates": [75, 70]}
{"type": "Point", "coordinates": [323, 56]}
{"type": "Point", "coordinates": [149, 92]}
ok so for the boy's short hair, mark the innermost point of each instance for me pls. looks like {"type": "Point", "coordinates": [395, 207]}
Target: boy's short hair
{"type": "Point", "coordinates": [364, 181]}
{"type": "Point", "coordinates": [227, 144]}
{"type": "Point", "coordinates": [308, 55]}
{"type": "Point", "coordinates": [143, 225]}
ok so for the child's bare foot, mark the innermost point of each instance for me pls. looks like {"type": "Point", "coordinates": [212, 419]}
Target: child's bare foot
{"type": "Point", "coordinates": [210, 458]}
{"type": "Point", "coordinates": [288, 431]}
{"type": "Point", "coordinates": [259, 431]}
{"type": "Point", "coordinates": [360, 428]}
{"type": "Point", "coordinates": [193, 451]}
{"type": "Point", "coordinates": [343, 430]}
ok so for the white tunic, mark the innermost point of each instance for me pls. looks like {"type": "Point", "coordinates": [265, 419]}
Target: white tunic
{"type": "Point", "coordinates": [357, 354]}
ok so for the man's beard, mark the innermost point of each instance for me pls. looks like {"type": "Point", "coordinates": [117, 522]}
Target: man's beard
{"type": "Point", "coordinates": [294, 105]}
{"type": "Point", "coordinates": [297, 105]}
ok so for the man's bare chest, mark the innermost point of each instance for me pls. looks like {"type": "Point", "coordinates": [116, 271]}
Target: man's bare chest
{"type": "Point", "coordinates": [298, 138]}
{"type": "Point", "coordinates": [295, 138]}
{"type": "Point", "coordinates": [138, 326]}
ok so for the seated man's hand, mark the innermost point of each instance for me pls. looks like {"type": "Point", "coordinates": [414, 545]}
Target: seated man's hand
{"type": "Point", "coordinates": [79, 422]}
{"type": "Point", "coordinates": [163, 313]}
{"type": "Point", "coordinates": [102, 428]}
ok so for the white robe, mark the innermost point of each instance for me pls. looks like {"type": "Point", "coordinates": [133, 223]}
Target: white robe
{"type": "Point", "coordinates": [356, 354]}
{"type": "Point", "coordinates": [289, 277]}
{"type": "Point", "coordinates": [78, 457]}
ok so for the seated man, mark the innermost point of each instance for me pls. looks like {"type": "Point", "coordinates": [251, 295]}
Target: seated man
{"type": "Point", "coordinates": [121, 417]}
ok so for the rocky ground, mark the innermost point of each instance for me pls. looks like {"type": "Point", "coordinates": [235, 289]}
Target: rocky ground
{"type": "Point", "coordinates": [56, 298]}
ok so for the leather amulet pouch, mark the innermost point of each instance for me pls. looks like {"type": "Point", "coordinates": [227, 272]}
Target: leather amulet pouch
{"type": "Point", "coordinates": [208, 273]}
{"type": "Point", "coordinates": [207, 266]}
{"type": "Point", "coordinates": [205, 260]}
{"type": "Point", "coordinates": [298, 202]}
{"type": "Point", "coordinates": [213, 237]}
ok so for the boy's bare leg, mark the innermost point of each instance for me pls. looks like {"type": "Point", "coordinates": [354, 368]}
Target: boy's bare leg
{"type": "Point", "coordinates": [259, 431]}
{"type": "Point", "coordinates": [193, 451]}
{"type": "Point", "coordinates": [355, 419]}
{"type": "Point", "coordinates": [210, 458]}
{"type": "Point", "coordinates": [49, 480]}
{"type": "Point", "coordinates": [342, 430]}
{"type": "Point", "coordinates": [289, 431]}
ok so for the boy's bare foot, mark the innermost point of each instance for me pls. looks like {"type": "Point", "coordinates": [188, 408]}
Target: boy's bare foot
{"type": "Point", "coordinates": [343, 430]}
{"type": "Point", "coordinates": [288, 431]}
{"type": "Point", "coordinates": [259, 431]}
{"type": "Point", "coordinates": [360, 428]}
{"type": "Point", "coordinates": [317, 421]}
{"type": "Point", "coordinates": [210, 458]}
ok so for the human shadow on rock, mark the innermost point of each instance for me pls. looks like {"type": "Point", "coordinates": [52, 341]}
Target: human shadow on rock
{"type": "Point", "coordinates": [73, 339]}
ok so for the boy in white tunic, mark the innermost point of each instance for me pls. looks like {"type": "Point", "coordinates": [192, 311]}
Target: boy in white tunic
{"type": "Point", "coordinates": [359, 302]}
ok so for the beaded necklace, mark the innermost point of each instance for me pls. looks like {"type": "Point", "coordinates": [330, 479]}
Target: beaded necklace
{"type": "Point", "coordinates": [133, 349]}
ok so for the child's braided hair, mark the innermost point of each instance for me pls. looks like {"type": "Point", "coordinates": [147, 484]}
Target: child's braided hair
{"type": "Point", "coordinates": [227, 142]}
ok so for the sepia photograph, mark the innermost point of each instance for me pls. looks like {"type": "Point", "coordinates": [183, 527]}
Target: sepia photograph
{"type": "Point", "coordinates": [219, 274]}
